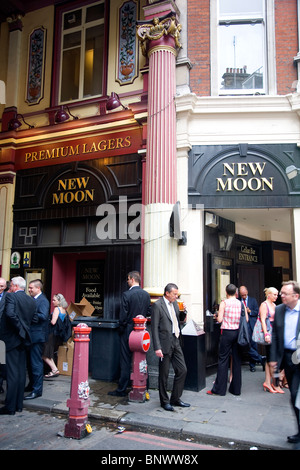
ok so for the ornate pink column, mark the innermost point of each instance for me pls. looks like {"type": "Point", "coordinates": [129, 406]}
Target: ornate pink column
{"type": "Point", "coordinates": [159, 37]}
{"type": "Point", "coordinates": [159, 41]}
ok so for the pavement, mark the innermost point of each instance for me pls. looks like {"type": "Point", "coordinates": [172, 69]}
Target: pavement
{"type": "Point", "coordinates": [253, 420]}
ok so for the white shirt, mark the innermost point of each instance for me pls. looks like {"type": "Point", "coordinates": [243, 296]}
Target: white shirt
{"type": "Point", "coordinates": [169, 307]}
{"type": "Point", "coordinates": [290, 327]}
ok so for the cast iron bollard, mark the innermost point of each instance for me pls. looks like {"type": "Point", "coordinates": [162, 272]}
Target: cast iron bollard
{"type": "Point", "coordinates": [139, 344]}
{"type": "Point", "coordinates": [78, 402]}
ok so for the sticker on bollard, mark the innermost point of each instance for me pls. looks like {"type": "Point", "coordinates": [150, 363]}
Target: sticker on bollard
{"type": "Point", "coordinates": [139, 344]}
{"type": "Point", "coordinates": [146, 341]}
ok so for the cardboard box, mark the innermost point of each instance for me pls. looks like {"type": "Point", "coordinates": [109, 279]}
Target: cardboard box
{"type": "Point", "coordinates": [65, 358]}
{"type": "Point", "coordinates": [83, 309]}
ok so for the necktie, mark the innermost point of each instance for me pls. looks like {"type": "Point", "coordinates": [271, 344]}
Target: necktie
{"type": "Point", "coordinates": [174, 319]}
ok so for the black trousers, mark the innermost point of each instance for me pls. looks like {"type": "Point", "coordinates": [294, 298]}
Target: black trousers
{"type": "Point", "coordinates": [15, 378]}
{"type": "Point", "coordinates": [125, 361]}
{"type": "Point", "coordinates": [228, 347]}
{"type": "Point", "coordinates": [176, 358]}
{"type": "Point", "coordinates": [254, 355]}
{"type": "Point", "coordinates": [36, 370]}
{"type": "Point", "coordinates": [292, 373]}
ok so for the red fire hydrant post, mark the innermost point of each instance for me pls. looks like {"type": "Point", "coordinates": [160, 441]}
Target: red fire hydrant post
{"type": "Point", "coordinates": [78, 403]}
{"type": "Point", "coordinates": [139, 344]}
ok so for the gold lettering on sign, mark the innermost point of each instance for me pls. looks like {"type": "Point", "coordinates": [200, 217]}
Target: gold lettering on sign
{"type": "Point", "coordinates": [73, 190]}
{"type": "Point", "coordinates": [56, 152]}
{"type": "Point", "coordinates": [240, 176]}
{"type": "Point", "coordinates": [247, 254]}
{"type": "Point", "coordinates": [80, 149]}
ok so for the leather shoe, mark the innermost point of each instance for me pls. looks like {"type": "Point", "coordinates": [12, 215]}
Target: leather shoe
{"type": "Point", "coordinates": [32, 395]}
{"type": "Point", "coordinates": [5, 411]}
{"type": "Point", "coordinates": [168, 407]}
{"type": "Point", "coordinates": [180, 403]}
{"type": "Point", "coordinates": [294, 439]}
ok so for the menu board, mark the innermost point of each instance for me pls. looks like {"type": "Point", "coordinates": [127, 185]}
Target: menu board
{"type": "Point", "coordinates": [90, 283]}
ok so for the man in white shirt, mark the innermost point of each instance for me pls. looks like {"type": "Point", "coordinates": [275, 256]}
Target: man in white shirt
{"type": "Point", "coordinates": [166, 344]}
{"type": "Point", "coordinates": [286, 331]}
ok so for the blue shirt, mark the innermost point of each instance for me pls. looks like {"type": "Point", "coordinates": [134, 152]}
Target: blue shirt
{"type": "Point", "coordinates": [290, 327]}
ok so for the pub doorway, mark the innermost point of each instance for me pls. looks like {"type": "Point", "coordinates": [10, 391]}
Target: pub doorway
{"type": "Point", "coordinates": [80, 274]}
{"type": "Point", "coordinates": [252, 276]}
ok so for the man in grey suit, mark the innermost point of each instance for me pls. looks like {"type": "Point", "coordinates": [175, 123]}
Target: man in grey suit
{"type": "Point", "coordinates": [285, 342]}
{"type": "Point", "coordinates": [166, 343]}
{"type": "Point", "coordinates": [19, 312]}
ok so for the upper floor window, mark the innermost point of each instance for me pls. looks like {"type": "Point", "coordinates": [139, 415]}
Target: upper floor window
{"type": "Point", "coordinates": [82, 52]}
{"type": "Point", "coordinates": [242, 47]}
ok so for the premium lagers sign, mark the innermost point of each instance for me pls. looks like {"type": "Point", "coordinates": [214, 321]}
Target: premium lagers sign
{"type": "Point", "coordinates": [85, 148]}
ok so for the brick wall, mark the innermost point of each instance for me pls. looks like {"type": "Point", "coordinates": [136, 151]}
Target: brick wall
{"type": "Point", "coordinates": [199, 45]}
{"type": "Point", "coordinates": [286, 44]}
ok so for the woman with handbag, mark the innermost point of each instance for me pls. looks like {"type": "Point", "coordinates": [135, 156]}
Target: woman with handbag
{"type": "Point", "coordinates": [266, 317]}
{"type": "Point", "coordinates": [58, 316]}
{"type": "Point", "coordinates": [229, 316]}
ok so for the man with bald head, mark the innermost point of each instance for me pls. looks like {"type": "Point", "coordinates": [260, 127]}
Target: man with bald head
{"type": "Point", "coordinates": [252, 308]}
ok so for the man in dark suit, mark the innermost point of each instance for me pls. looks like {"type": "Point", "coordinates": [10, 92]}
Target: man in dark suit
{"type": "Point", "coordinates": [39, 334]}
{"type": "Point", "coordinates": [19, 312]}
{"type": "Point", "coordinates": [252, 308]}
{"type": "Point", "coordinates": [135, 301]}
{"type": "Point", "coordinates": [286, 341]}
{"type": "Point", "coordinates": [3, 286]}
{"type": "Point", "coordinates": [166, 343]}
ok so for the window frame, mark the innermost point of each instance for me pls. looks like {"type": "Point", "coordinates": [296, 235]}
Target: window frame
{"type": "Point", "coordinates": [269, 56]}
{"type": "Point", "coordinates": [58, 52]}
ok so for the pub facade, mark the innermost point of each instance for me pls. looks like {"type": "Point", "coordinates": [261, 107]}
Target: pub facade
{"type": "Point", "coordinates": [129, 141]}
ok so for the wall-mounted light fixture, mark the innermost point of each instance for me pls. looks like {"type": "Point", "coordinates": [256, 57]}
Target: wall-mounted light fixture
{"type": "Point", "coordinates": [62, 115]}
{"type": "Point", "coordinates": [292, 171]}
{"type": "Point", "coordinates": [225, 241]}
{"type": "Point", "coordinates": [114, 102]}
{"type": "Point", "coordinates": [175, 225]}
{"type": "Point", "coordinates": [15, 123]}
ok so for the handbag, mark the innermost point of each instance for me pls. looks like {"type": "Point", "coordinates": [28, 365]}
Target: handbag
{"type": "Point", "coordinates": [258, 335]}
{"type": "Point", "coordinates": [243, 336]}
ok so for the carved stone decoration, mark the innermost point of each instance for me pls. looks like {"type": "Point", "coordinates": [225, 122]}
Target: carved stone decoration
{"type": "Point", "coordinates": [157, 30]}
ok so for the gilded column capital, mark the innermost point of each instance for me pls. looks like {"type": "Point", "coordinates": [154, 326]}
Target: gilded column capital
{"type": "Point", "coordinates": [158, 31]}
{"type": "Point", "coordinates": [15, 22]}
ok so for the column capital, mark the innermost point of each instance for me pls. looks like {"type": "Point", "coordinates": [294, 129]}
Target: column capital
{"type": "Point", "coordinates": [15, 22]}
{"type": "Point", "coordinates": [160, 33]}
